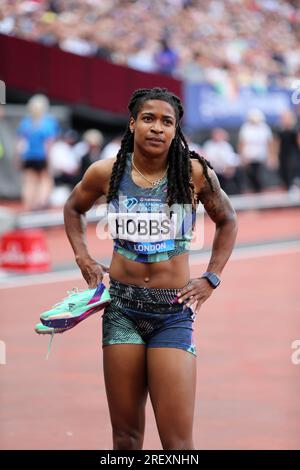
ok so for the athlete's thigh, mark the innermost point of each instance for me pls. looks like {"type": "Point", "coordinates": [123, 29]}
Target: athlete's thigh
{"type": "Point", "coordinates": [172, 386]}
{"type": "Point", "coordinates": [125, 377]}
{"type": "Point", "coordinates": [30, 176]}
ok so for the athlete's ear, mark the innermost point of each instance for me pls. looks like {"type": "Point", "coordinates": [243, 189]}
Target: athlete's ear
{"type": "Point", "coordinates": [131, 124]}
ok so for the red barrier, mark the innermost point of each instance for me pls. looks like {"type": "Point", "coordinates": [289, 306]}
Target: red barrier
{"type": "Point", "coordinates": [24, 250]}
{"type": "Point", "coordinates": [90, 81]}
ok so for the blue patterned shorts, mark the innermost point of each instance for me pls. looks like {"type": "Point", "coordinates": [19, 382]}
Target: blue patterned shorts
{"type": "Point", "coordinates": [149, 316]}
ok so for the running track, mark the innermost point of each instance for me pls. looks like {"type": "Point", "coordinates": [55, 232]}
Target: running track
{"type": "Point", "coordinates": [247, 389]}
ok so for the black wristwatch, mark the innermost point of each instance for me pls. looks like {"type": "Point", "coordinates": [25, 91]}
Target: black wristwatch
{"type": "Point", "coordinates": [212, 278]}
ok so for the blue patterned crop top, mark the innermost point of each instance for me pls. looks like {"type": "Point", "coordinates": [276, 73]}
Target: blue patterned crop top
{"type": "Point", "coordinates": [143, 226]}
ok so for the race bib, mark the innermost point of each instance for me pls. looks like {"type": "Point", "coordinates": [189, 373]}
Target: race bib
{"type": "Point", "coordinates": [143, 227]}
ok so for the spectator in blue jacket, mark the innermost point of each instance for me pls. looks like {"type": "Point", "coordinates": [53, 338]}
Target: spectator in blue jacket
{"type": "Point", "coordinates": [36, 133]}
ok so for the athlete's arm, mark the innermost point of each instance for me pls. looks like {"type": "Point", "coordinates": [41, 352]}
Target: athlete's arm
{"type": "Point", "coordinates": [220, 210]}
{"type": "Point", "coordinates": [82, 198]}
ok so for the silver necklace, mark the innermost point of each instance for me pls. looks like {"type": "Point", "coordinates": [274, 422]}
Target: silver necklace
{"type": "Point", "coordinates": [153, 183]}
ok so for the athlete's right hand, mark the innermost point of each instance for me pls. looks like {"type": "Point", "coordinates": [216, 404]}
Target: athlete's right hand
{"type": "Point", "coordinates": [92, 271]}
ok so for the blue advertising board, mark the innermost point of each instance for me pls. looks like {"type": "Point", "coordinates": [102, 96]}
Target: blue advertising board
{"type": "Point", "coordinates": [205, 108]}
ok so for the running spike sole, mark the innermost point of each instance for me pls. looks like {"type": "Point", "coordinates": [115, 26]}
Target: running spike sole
{"type": "Point", "coordinates": [70, 322]}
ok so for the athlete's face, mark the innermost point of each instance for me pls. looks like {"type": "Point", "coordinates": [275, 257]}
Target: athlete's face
{"type": "Point", "coordinates": [155, 127]}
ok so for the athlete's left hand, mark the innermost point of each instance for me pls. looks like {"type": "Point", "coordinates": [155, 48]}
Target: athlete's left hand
{"type": "Point", "coordinates": [196, 292]}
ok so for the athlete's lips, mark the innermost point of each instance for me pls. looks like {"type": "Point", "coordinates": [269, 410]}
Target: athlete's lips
{"type": "Point", "coordinates": [155, 139]}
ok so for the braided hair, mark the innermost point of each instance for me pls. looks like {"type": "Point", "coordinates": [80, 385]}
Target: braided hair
{"type": "Point", "coordinates": [180, 186]}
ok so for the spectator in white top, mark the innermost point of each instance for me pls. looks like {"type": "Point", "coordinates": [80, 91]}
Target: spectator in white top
{"type": "Point", "coordinates": [255, 147]}
{"type": "Point", "coordinates": [94, 140]}
{"type": "Point", "coordinates": [63, 163]}
{"type": "Point", "coordinates": [111, 149]}
{"type": "Point", "coordinates": [225, 161]}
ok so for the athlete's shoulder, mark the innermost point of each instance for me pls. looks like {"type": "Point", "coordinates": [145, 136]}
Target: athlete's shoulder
{"type": "Point", "coordinates": [98, 174]}
{"type": "Point", "coordinates": [197, 173]}
{"type": "Point", "coordinates": [103, 166]}
{"type": "Point", "coordinates": [101, 169]}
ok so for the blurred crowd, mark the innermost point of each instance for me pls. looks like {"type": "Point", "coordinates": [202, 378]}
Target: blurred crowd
{"type": "Point", "coordinates": [229, 44]}
{"type": "Point", "coordinates": [53, 160]}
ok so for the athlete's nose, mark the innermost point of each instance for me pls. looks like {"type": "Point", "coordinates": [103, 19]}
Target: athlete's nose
{"type": "Point", "coordinates": [157, 127]}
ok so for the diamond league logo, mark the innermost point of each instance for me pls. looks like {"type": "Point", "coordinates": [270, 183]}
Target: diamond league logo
{"type": "Point", "coordinates": [130, 202]}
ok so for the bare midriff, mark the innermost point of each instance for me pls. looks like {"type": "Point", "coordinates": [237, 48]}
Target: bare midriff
{"type": "Point", "coordinates": [170, 274]}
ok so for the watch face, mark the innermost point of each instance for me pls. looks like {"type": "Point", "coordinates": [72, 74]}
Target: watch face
{"type": "Point", "coordinates": [212, 278]}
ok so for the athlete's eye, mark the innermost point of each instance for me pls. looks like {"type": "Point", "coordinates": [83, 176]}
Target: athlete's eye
{"type": "Point", "coordinates": [168, 122]}
{"type": "Point", "coordinates": [147, 118]}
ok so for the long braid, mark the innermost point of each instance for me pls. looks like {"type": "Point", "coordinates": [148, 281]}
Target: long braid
{"type": "Point", "coordinates": [177, 188]}
{"type": "Point", "coordinates": [186, 152]}
{"type": "Point", "coordinates": [180, 186]}
{"type": "Point", "coordinates": [119, 165]}
{"type": "Point", "coordinates": [172, 171]}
